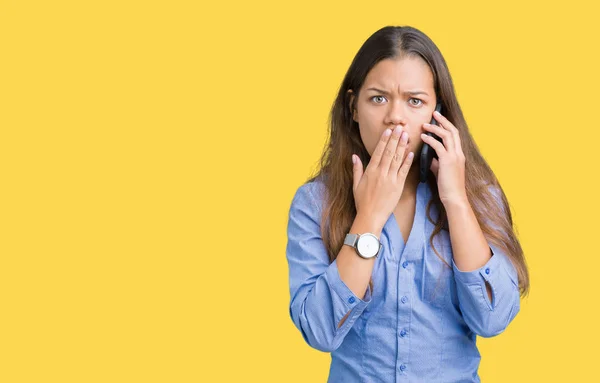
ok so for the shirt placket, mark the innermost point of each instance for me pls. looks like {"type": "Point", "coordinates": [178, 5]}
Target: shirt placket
{"type": "Point", "coordinates": [409, 259]}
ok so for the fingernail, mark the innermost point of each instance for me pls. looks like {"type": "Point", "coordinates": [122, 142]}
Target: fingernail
{"type": "Point", "coordinates": [387, 132]}
{"type": "Point", "coordinates": [437, 113]}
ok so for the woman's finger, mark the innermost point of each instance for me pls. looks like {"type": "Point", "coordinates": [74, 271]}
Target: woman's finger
{"type": "Point", "coordinates": [446, 124]}
{"type": "Point", "coordinates": [357, 171]}
{"type": "Point", "coordinates": [445, 135]}
{"type": "Point", "coordinates": [390, 151]}
{"type": "Point", "coordinates": [439, 148]}
{"type": "Point", "coordinates": [378, 152]}
{"type": "Point", "coordinates": [398, 157]}
{"type": "Point", "coordinates": [406, 165]}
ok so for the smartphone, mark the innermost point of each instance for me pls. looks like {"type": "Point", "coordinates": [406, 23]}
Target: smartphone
{"type": "Point", "coordinates": [427, 152]}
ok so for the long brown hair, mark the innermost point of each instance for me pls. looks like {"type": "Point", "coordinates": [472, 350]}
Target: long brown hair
{"type": "Point", "coordinates": [335, 166]}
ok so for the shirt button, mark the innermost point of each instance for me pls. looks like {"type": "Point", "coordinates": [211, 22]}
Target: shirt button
{"type": "Point", "coordinates": [487, 270]}
{"type": "Point", "coordinates": [402, 367]}
{"type": "Point", "coordinates": [404, 299]}
{"type": "Point", "coordinates": [403, 333]}
{"type": "Point", "coordinates": [405, 264]}
{"type": "Point", "coordinates": [351, 299]}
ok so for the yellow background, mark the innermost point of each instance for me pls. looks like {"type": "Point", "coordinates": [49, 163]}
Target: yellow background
{"type": "Point", "coordinates": [149, 152]}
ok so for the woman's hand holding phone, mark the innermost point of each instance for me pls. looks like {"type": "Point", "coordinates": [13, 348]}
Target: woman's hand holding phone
{"type": "Point", "coordinates": [449, 167]}
{"type": "Point", "coordinates": [378, 189]}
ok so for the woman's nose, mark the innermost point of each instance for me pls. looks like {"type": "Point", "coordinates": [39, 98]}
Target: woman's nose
{"type": "Point", "coordinates": [395, 115]}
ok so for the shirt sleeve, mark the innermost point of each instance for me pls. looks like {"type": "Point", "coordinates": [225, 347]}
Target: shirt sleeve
{"type": "Point", "coordinates": [487, 317]}
{"type": "Point", "coordinates": [319, 299]}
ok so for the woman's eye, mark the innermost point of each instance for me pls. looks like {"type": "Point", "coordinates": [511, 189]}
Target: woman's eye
{"type": "Point", "coordinates": [417, 100]}
{"type": "Point", "coordinates": [376, 98]}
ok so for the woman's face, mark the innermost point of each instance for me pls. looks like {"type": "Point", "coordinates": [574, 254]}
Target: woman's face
{"type": "Point", "coordinates": [395, 92]}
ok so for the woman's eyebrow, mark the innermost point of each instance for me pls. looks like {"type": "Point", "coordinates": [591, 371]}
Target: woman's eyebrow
{"type": "Point", "coordinates": [412, 93]}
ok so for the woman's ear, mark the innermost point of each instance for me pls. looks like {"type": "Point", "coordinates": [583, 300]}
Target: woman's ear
{"type": "Point", "coordinates": [351, 106]}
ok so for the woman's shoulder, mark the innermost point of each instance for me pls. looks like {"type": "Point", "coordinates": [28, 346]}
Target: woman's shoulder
{"type": "Point", "coordinates": [307, 203]}
{"type": "Point", "coordinates": [312, 191]}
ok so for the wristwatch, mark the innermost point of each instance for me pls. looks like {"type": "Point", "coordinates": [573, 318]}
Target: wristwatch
{"type": "Point", "coordinates": [367, 245]}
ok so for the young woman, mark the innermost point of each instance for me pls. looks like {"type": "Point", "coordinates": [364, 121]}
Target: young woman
{"type": "Point", "coordinates": [394, 276]}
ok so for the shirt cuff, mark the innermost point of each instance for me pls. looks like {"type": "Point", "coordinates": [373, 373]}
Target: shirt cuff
{"type": "Point", "coordinates": [350, 299]}
{"type": "Point", "coordinates": [487, 271]}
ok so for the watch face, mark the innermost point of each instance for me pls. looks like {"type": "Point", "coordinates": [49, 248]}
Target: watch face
{"type": "Point", "coordinates": [367, 245]}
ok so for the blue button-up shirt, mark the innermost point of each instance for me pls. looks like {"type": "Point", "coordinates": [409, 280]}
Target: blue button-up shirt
{"type": "Point", "coordinates": [419, 324]}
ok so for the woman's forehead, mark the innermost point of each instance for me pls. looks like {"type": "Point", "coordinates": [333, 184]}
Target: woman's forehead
{"type": "Point", "coordinates": [406, 74]}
